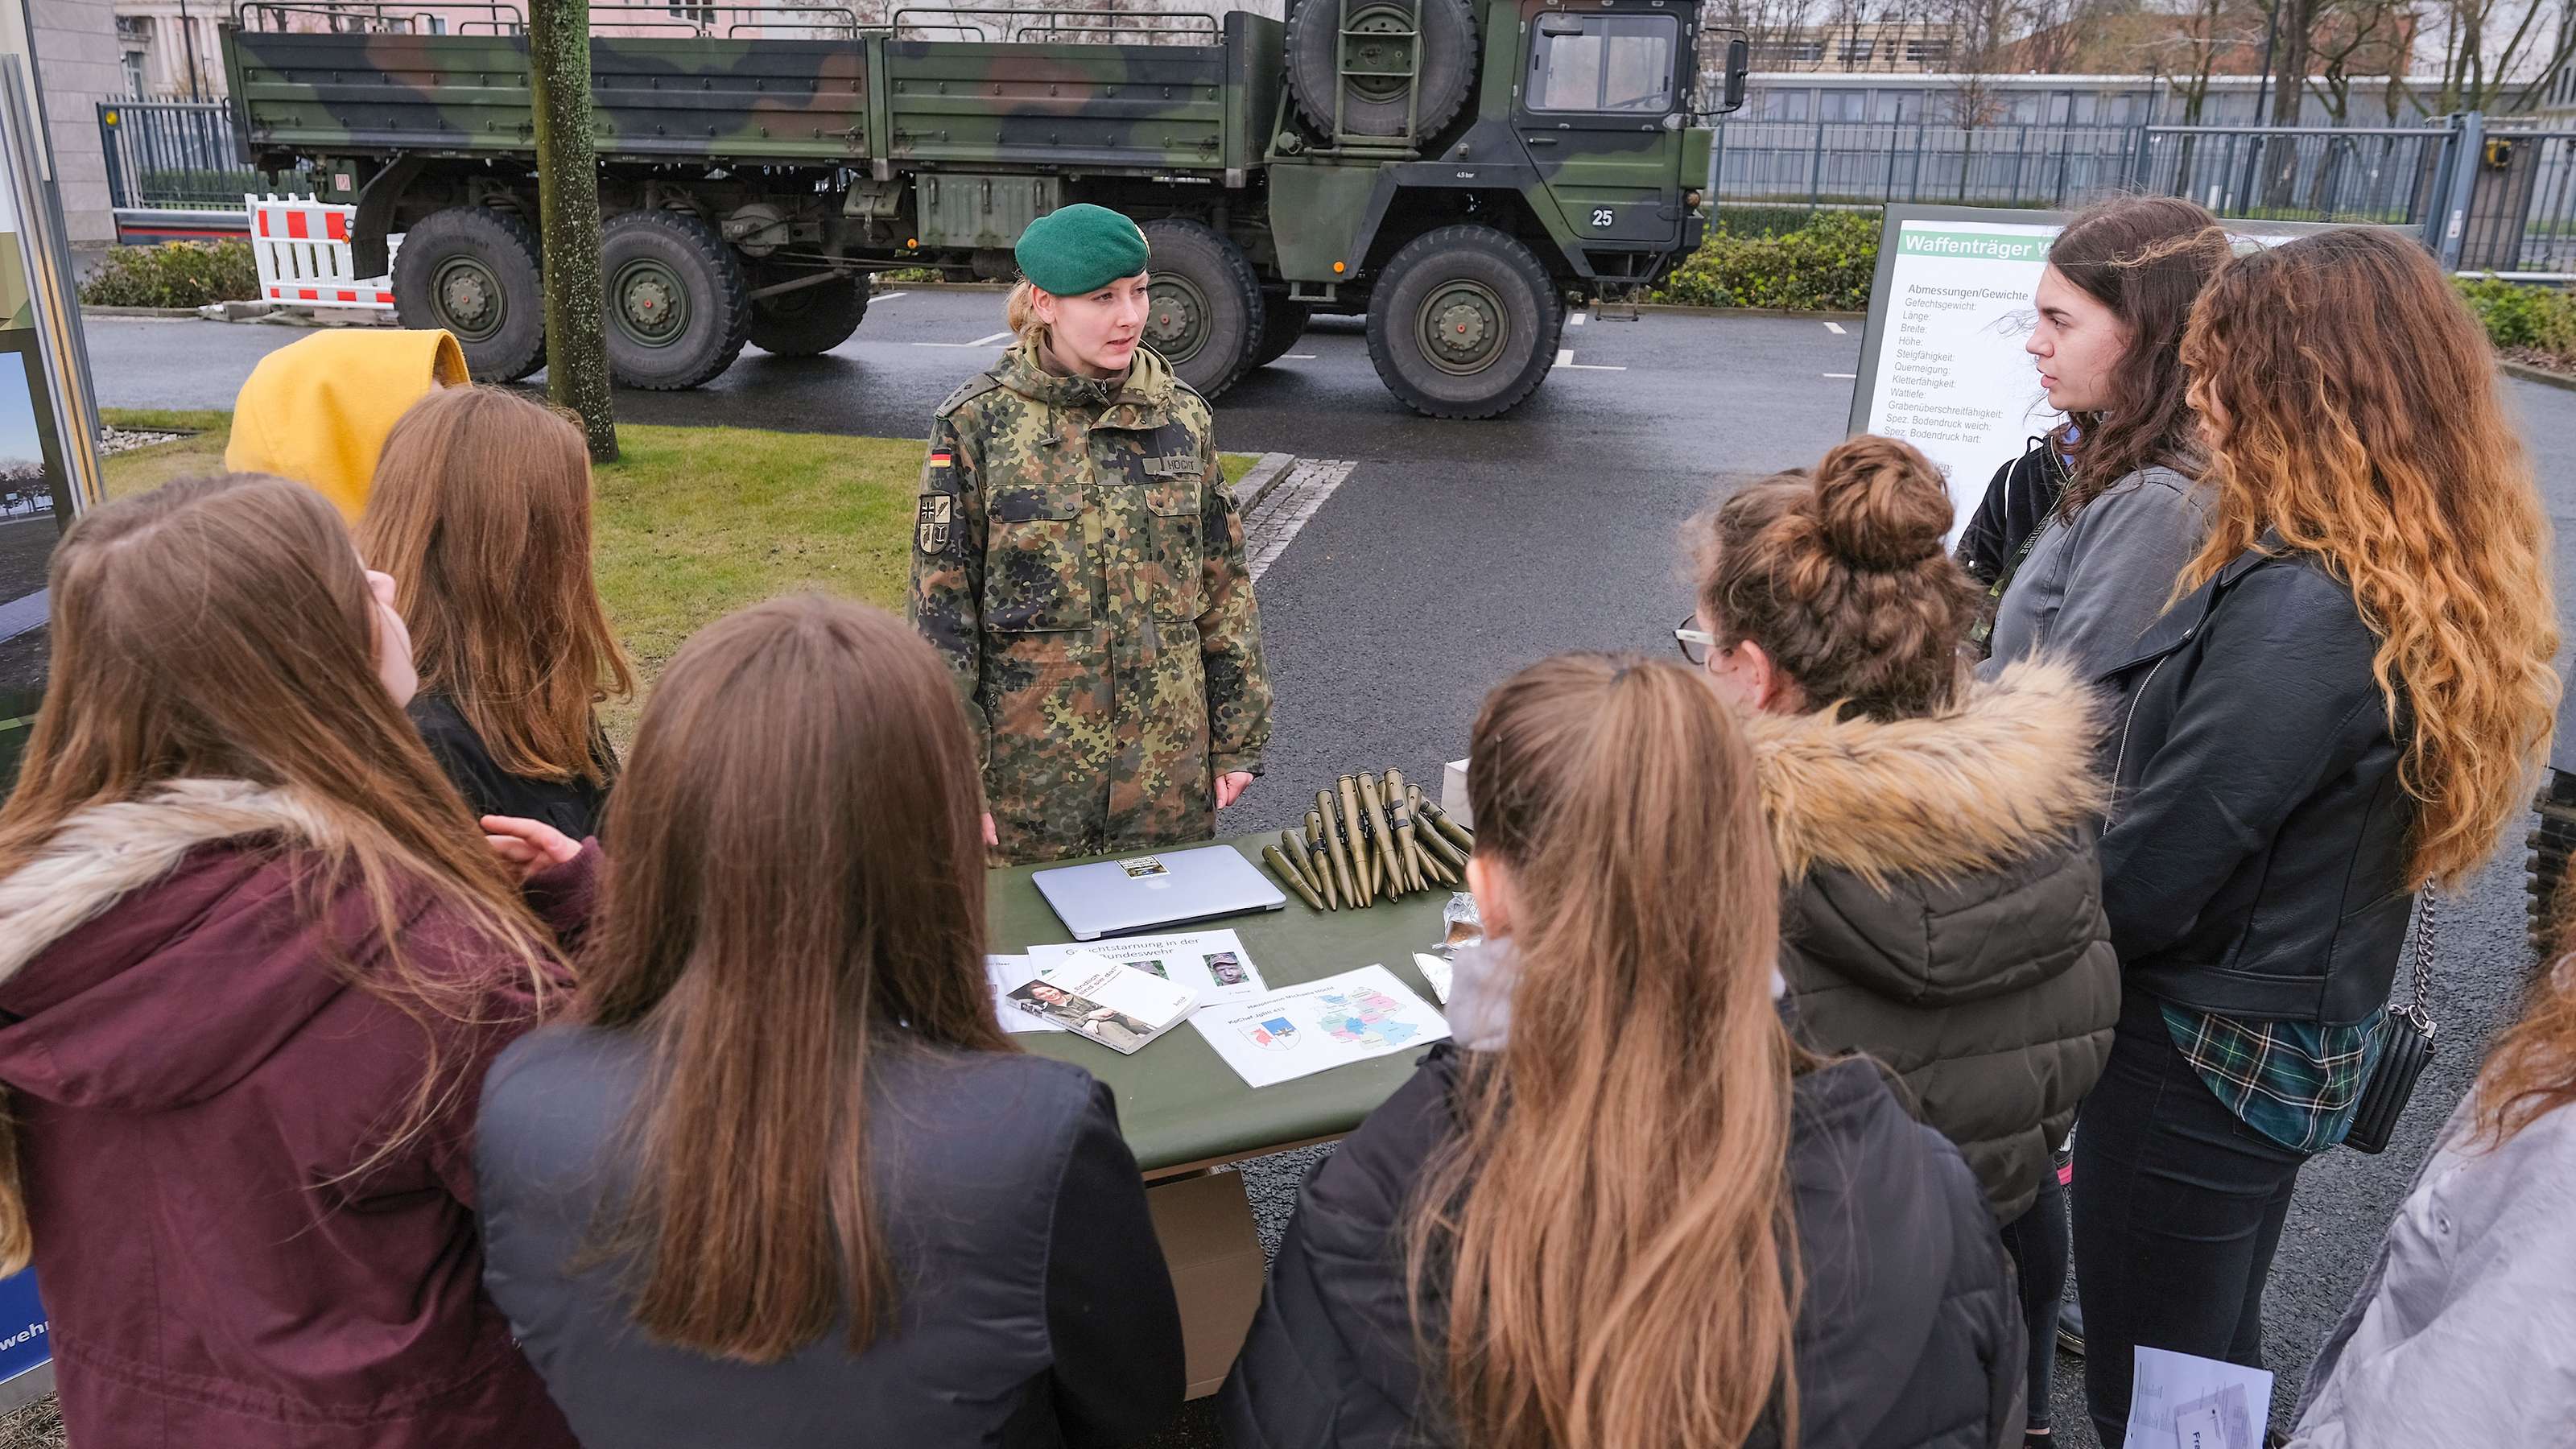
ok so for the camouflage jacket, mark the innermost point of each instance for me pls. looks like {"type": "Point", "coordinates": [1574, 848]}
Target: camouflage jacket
{"type": "Point", "coordinates": [1078, 559]}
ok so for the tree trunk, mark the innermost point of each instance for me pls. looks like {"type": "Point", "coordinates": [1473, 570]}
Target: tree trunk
{"type": "Point", "coordinates": [568, 210]}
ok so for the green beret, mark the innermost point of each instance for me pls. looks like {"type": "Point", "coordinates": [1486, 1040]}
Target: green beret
{"type": "Point", "coordinates": [1080, 248]}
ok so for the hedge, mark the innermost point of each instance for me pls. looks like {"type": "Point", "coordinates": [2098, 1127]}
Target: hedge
{"type": "Point", "coordinates": [174, 274]}
{"type": "Point", "coordinates": [1823, 266]}
{"type": "Point", "coordinates": [2529, 323]}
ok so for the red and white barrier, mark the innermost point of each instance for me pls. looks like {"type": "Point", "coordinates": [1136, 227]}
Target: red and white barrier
{"type": "Point", "coordinates": [303, 250]}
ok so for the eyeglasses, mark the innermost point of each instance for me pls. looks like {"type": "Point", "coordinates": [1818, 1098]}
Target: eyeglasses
{"type": "Point", "coordinates": [1696, 644]}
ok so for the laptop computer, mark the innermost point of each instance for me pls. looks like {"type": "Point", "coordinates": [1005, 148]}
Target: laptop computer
{"type": "Point", "coordinates": [1166, 888]}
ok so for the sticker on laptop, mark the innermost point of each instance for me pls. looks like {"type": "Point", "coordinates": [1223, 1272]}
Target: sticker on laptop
{"type": "Point", "coordinates": [1144, 865]}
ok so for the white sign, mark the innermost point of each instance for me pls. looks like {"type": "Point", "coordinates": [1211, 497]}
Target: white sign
{"type": "Point", "coordinates": [1950, 321]}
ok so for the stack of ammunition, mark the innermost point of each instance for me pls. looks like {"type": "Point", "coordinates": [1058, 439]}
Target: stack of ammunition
{"type": "Point", "coordinates": [1371, 838]}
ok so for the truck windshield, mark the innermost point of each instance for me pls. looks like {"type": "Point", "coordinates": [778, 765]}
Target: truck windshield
{"type": "Point", "coordinates": [1603, 63]}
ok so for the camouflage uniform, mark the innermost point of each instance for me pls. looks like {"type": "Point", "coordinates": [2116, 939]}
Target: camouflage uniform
{"type": "Point", "coordinates": [1077, 558]}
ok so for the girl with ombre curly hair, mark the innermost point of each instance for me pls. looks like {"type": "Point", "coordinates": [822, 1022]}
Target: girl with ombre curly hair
{"type": "Point", "coordinates": [2346, 703]}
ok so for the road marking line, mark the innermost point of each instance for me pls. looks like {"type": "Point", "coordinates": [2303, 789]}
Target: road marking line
{"type": "Point", "coordinates": [1564, 357]}
{"type": "Point", "coordinates": [1836, 328]}
{"type": "Point", "coordinates": [1849, 376]}
{"type": "Point", "coordinates": [1591, 367]}
{"type": "Point", "coordinates": [887, 296]}
{"type": "Point", "coordinates": [1273, 523]}
{"type": "Point", "coordinates": [1299, 356]}
{"type": "Point", "coordinates": [1577, 320]}
{"type": "Point", "coordinates": [993, 341]}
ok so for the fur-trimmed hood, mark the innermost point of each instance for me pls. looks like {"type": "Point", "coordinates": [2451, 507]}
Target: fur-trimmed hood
{"type": "Point", "coordinates": [147, 963]}
{"type": "Point", "coordinates": [2009, 771]}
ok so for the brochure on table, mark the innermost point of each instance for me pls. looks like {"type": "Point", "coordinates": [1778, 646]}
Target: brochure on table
{"type": "Point", "coordinates": [1941, 362]}
{"type": "Point", "coordinates": [1298, 1031]}
{"type": "Point", "coordinates": [1211, 963]}
{"type": "Point", "coordinates": [1108, 1001]}
{"type": "Point", "coordinates": [1007, 974]}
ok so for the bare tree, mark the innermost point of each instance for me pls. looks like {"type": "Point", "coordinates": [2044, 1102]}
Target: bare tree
{"type": "Point", "coordinates": [2356, 39]}
{"type": "Point", "coordinates": [2498, 55]}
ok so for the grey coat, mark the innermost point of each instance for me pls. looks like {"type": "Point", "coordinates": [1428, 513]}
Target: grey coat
{"type": "Point", "coordinates": [2460, 1334]}
{"type": "Point", "coordinates": [2091, 586]}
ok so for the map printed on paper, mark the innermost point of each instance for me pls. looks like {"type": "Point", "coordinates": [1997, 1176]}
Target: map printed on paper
{"type": "Point", "coordinates": [1298, 1031]}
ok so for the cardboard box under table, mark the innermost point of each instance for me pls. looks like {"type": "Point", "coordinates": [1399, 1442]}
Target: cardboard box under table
{"type": "Point", "coordinates": [1184, 1111]}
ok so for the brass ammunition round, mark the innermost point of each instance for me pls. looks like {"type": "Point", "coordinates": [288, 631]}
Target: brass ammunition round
{"type": "Point", "coordinates": [1288, 876]}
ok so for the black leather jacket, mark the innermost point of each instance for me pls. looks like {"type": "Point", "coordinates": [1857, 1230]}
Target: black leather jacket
{"type": "Point", "coordinates": [2255, 860]}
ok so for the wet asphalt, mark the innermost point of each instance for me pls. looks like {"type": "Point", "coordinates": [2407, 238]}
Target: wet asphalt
{"type": "Point", "coordinates": [1456, 552]}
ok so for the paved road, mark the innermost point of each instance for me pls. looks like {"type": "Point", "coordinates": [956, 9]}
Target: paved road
{"type": "Point", "coordinates": [1455, 552]}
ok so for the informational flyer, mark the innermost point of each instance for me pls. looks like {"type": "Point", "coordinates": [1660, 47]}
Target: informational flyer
{"type": "Point", "coordinates": [1948, 321]}
{"type": "Point", "coordinates": [1211, 963]}
{"type": "Point", "coordinates": [1298, 1031]}
{"type": "Point", "coordinates": [1006, 974]}
{"type": "Point", "coordinates": [2182, 1401]}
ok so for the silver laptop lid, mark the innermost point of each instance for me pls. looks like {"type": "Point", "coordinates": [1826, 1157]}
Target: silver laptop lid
{"type": "Point", "coordinates": [1164, 888]}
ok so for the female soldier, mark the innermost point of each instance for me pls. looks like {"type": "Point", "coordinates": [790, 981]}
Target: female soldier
{"type": "Point", "coordinates": [1078, 561]}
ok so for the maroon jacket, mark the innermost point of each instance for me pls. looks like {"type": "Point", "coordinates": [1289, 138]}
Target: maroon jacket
{"type": "Point", "coordinates": [193, 1080]}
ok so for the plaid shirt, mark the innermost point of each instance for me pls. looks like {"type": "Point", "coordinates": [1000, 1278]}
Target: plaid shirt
{"type": "Point", "coordinates": [2293, 1081]}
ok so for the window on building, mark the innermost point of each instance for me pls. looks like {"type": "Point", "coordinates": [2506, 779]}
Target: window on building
{"type": "Point", "coordinates": [1850, 105]}
{"type": "Point", "coordinates": [1902, 108]}
{"type": "Point", "coordinates": [1787, 54]}
{"type": "Point", "coordinates": [1603, 63]}
{"type": "Point", "coordinates": [1856, 53]}
{"type": "Point", "coordinates": [438, 25]}
{"type": "Point", "coordinates": [2061, 109]}
{"type": "Point", "coordinates": [2023, 110]}
{"type": "Point", "coordinates": [133, 72]}
{"type": "Point", "coordinates": [695, 14]}
{"type": "Point", "coordinates": [1788, 105]}
{"type": "Point", "coordinates": [1928, 51]}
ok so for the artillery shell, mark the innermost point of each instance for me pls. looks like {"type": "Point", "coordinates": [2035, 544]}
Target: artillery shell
{"type": "Point", "coordinates": [1343, 876]}
{"type": "Point", "coordinates": [1395, 876]}
{"type": "Point", "coordinates": [1319, 864]}
{"type": "Point", "coordinates": [1459, 835]}
{"type": "Point", "coordinates": [1289, 877]}
{"type": "Point", "coordinates": [1432, 867]}
{"type": "Point", "coordinates": [1294, 855]}
{"type": "Point", "coordinates": [1437, 846]}
{"type": "Point", "coordinates": [1348, 789]}
{"type": "Point", "coordinates": [1399, 816]}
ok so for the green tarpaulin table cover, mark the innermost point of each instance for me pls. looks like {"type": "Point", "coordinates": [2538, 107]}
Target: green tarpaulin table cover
{"type": "Point", "coordinates": [1178, 1101]}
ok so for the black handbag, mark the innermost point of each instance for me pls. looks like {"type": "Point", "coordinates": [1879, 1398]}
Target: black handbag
{"type": "Point", "coordinates": [2405, 1046]}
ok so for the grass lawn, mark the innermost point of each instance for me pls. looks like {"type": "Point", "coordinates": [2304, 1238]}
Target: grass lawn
{"type": "Point", "coordinates": [691, 522]}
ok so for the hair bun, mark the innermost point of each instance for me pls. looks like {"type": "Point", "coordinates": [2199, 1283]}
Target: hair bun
{"type": "Point", "coordinates": [1880, 505]}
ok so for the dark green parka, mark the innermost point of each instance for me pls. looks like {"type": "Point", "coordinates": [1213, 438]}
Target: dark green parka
{"type": "Point", "coordinates": [1944, 909]}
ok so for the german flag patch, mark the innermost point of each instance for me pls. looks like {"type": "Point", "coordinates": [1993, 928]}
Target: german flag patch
{"type": "Point", "coordinates": [941, 458]}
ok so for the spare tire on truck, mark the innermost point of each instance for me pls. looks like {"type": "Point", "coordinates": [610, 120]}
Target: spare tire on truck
{"type": "Point", "coordinates": [678, 309]}
{"type": "Point", "coordinates": [1464, 322]}
{"type": "Point", "coordinates": [475, 272]}
{"type": "Point", "coordinates": [810, 320]}
{"type": "Point", "coordinates": [1367, 71]}
{"type": "Point", "coordinates": [1206, 304]}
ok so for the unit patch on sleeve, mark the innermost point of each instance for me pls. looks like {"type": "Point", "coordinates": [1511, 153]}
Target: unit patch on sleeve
{"type": "Point", "coordinates": [938, 512]}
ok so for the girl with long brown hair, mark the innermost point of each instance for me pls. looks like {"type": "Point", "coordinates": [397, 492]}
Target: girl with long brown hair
{"type": "Point", "coordinates": [2347, 705]}
{"type": "Point", "coordinates": [1935, 834]}
{"type": "Point", "coordinates": [788, 1170]}
{"type": "Point", "coordinates": [2459, 1334]}
{"type": "Point", "coordinates": [481, 512]}
{"type": "Point", "coordinates": [253, 960]}
{"type": "Point", "coordinates": [2081, 550]}
{"type": "Point", "coordinates": [1622, 1208]}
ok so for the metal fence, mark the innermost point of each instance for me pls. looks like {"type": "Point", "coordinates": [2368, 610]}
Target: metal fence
{"type": "Point", "coordinates": [2512, 209]}
{"type": "Point", "coordinates": [172, 154]}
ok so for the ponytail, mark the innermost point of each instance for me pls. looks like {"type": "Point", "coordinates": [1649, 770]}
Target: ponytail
{"type": "Point", "coordinates": [1592, 1298]}
{"type": "Point", "coordinates": [1020, 312]}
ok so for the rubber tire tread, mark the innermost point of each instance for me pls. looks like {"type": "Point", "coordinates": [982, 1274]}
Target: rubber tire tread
{"type": "Point", "coordinates": [824, 323]}
{"type": "Point", "coordinates": [1447, 79]}
{"type": "Point", "coordinates": [727, 300]}
{"type": "Point", "coordinates": [1219, 267]}
{"type": "Point", "coordinates": [1508, 258]}
{"type": "Point", "coordinates": [509, 247]}
{"type": "Point", "coordinates": [1282, 323]}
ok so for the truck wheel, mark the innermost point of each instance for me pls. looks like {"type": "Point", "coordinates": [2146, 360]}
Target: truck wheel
{"type": "Point", "coordinates": [2552, 844]}
{"type": "Point", "coordinates": [809, 321]}
{"type": "Point", "coordinates": [1282, 323]}
{"type": "Point", "coordinates": [1374, 105]}
{"type": "Point", "coordinates": [1206, 304]}
{"type": "Point", "coordinates": [676, 310]}
{"type": "Point", "coordinates": [1464, 323]}
{"type": "Point", "coordinates": [475, 272]}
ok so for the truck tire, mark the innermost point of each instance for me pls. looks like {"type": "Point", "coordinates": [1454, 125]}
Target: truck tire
{"type": "Point", "coordinates": [1206, 312]}
{"type": "Point", "coordinates": [2552, 842]}
{"type": "Point", "coordinates": [1376, 107]}
{"type": "Point", "coordinates": [809, 321]}
{"type": "Point", "coordinates": [1464, 323]}
{"type": "Point", "coordinates": [677, 313]}
{"type": "Point", "coordinates": [1282, 323]}
{"type": "Point", "coordinates": [475, 272]}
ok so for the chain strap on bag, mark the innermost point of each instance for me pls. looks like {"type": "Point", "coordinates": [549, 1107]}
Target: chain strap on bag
{"type": "Point", "coordinates": [2405, 1046]}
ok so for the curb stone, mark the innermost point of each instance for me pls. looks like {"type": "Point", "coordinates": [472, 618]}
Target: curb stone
{"type": "Point", "coordinates": [2541, 375]}
{"type": "Point", "coordinates": [173, 313]}
{"type": "Point", "coordinates": [1263, 476]}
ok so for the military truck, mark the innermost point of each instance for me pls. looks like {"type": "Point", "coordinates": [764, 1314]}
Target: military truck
{"type": "Point", "coordinates": [1458, 170]}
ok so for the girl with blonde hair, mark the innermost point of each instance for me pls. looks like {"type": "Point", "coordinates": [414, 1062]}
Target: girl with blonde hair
{"type": "Point", "coordinates": [2346, 705]}
{"type": "Point", "coordinates": [1622, 1207]}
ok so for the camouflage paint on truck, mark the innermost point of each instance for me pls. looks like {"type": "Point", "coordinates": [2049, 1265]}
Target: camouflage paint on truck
{"type": "Point", "coordinates": [776, 173]}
